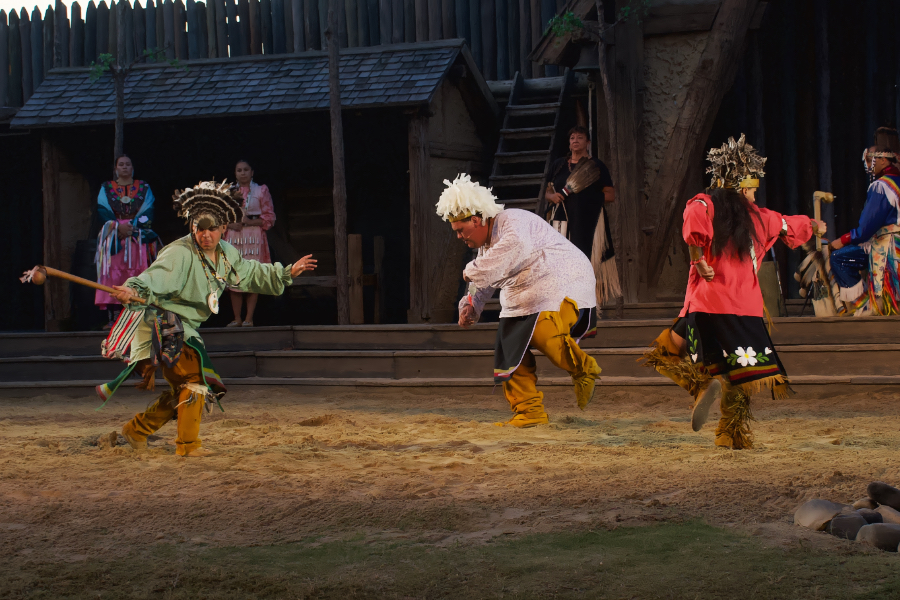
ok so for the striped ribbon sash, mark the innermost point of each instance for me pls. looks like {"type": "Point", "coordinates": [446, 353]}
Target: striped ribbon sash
{"type": "Point", "coordinates": [118, 343]}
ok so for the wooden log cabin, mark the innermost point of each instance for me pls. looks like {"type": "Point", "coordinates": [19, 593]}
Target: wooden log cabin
{"type": "Point", "coordinates": [794, 75]}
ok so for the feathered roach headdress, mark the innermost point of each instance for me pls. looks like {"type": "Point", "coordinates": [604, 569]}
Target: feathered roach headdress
{"type": "Point", "coordinates": [220, 203]}
{"type": "Point", "coordinates": [736, 164]}
{"type": "Point", "coordinates": [465, 198]}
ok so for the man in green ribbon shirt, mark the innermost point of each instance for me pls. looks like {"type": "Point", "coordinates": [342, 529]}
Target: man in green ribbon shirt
{"type": "Point", "coordinates": [182, 288]}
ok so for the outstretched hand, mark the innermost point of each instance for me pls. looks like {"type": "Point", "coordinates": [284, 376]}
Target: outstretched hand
{"type": "Point", "coordinates": [307, 263]}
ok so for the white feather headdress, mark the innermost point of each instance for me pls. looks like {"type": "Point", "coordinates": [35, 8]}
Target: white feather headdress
{"type": "Point", "coordinates": [464, 198]}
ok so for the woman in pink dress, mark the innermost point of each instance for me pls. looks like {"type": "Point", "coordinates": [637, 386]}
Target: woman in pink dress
{"type": "Point", "coordinates": [126, 244]}
{"type": "Point", "coordinates": [249, 236]}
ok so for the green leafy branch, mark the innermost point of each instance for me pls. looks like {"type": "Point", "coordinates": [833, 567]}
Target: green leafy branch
{"type": "Point", "coordinates": [564, 24]}
{"type": "Point", "coordinates": [569, 24]}
{"type": "Point", "coordinates": [106, 63]}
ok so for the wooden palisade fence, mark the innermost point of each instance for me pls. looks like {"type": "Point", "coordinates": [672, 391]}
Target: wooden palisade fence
{"type": "Point", "coordinates": [500, 33]}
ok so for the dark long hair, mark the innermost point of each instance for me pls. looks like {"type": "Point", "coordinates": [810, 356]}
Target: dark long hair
{"type": "Point", "coordinates": [732, 224]}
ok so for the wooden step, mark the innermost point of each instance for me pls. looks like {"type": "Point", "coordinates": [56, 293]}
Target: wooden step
{"type": "Point", "coordinates": [510, 180]}
{"type": "Point", "coordinates": [805, 385]}
{"type": "Point", "coordinates": [524, 204]}
{"type": "Point", "coordinates": [815, 359]}
{"type": "Point", "coordinates": [527, 110]}
{"type": "Point", "coordinates": [528, 132]}
{"type": "Point", "coordinates": [525, 156]}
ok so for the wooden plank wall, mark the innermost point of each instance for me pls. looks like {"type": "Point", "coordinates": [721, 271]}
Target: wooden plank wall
{"type": "Point", "coordinates": [500, 33]}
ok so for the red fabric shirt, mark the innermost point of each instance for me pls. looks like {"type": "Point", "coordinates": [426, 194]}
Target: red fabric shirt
{"type": "Point", "coordinates": [735, 288]}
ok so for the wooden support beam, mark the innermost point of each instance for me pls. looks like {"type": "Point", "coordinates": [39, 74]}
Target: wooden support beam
{"type": "Point", "coordinates": [160, 26]}
{"type": "Point", "coordinates": [288, 26]}
{"type": "Point", "coordinates": [212, 50]}
{"type": "Point", "coordinates": [102, 44]}
{"type": "Point", "coordinates": [37, 47]}
{"type": "Point", "coordinates": [25, 41]}
{"type": "Point", "coordinates": [15, 60]}
{"type": "Point", "coordinates": [362, 17]}
{"type": "Point", "coordinates": [380, 311]}
{"type": "Point", "coordinates": [384, 21]}
{"type": "Point", "coordinates": [129, 32]}
{"type": "Point", "coordinates": [221, 28]}
{"type": "Point", "coordinates": [56, 291]}
{"type": "Point", "coordinates": [243, 11]}
{"type": "Point", "coordinates": [140, 28]}
{"type": "Point", "coordinates": [169, 31]}
{"type": "Point", "coordinates": [113, 42]}
{"type": "Point", "coordinates": [711, 81]}
{"type": "Point", "coordinates": [355, 270]}
{"type": "Point", "coordinates": [76, 38]}
{"type": "Point", "coordinates": [350, 7]}
{"type": "Point", "coordinates": [434, 20]}
{"type": "Point", "coordinates": [396, 21]}
{"type": "Point", "coordinates": [297, 23]}
{"type": "Point", "coordinates": [4, 58]}
{"type": "Point", "coordinates": [409, 21]}
{"type": "Point", "coordinates": [311, 24]}
{"type": "Point", "coordinates": [278, 41]}
{"type": "Point", "coordinates": [234, 29]}
{"type": "Point", "coordinates": [90, 31]}
{"type": "Point", "coordinates": [489, 39]}
{"type": "Point", "coordinates": [421, 7]}
{"type": "Point", "coordinates": [61, 35]}
{"type": "Point", "coordinates": [628, 84]}
{"type": "Point", "coordinates": [419, 203]}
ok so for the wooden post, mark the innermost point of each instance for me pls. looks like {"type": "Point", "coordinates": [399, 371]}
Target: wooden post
{"type": "Point", "coordinates": [374, 25]}
{"type": "Point", "coordinates": [265, 16]}
{"type": "Point", "coordinates": [15, 60]}
{"type": "Point", "coordinates": [204, 31]}
{"type": "Point", "coordinates": [180, 23]}
{"type": "Point", "coordinates": [234, 29]}
{"type": "Point", "coordinates": [385, 11]}
{"type": "Point", "coordinates": [297, 20]}
{"type": "Point", "coordinates": [512, 11]}
{"type": "Point", "coordinates": [129, 32]}
{"type": "Point", "coordinates": [212, 50]}
{"type": "Point", "coordinates": [49, 24]}
{"type": "Point", "coordinates": [379, 312]}
{"type": "Point", "coordinates": [61, 36]}
{"type": "Point", "coordinates": [4, 59]}
{"type": "Point", "coordinates": [193, 30]}
{"type": "Point", "coordinates": [278, 41]}
{"type": "Point", "coordinates": [243, 10]}
{"type": "Point", "coordinates": [462, 21]}
{"type": "Point", "coordinates": [255, 28]}
{"type": "Point", "coordinates": [221, 28]}
{"type": "Point", "coordinates": [435, 28]}
{"type": "Point", "coordinates": [525, 38]}
{"type": "Point", "coordinates": [717, 66]}
{"type": "Point", "coordinates": [362, 17]}
{"type": "Point", "coordinates": [288, 26]}
{"type": "Point", "coordinates": [140, 28]}
{"type": "Point", "coordinates": [90, 33]}
{"type": "Point", "coordinates": [119, 77]}
{"type": "Point", "coordinates": [448, 19]}
{"type": "Point", "coordinates": [169, 31]}
{"type": "Point", "coordinates": [323, 23]}
{"type": "Point", "coordinates": [489, 39]}
{"type": "Point", "coordinates": [355, 272]}
{"type": "Point", "coordinates": [628, 88]}
{"type": "Point", "coordinates": [37, 47]}
{"type": "Point", "coordinates": [823, 105]}
{"type": "Point", "coordinates": [502, 33]}
{"type": "Point", "coordinates": [160, 26]}
{"type": "Point", "coordinates": [25, 41]}
{"type": "Point", "coordinates": [475, 30]}
{"type": "Point", "coordinates": [537, 31]}
{"type": "Point", "coordinates": [339, 191]}
{"type": "Point", "coordinates": [419, 202]}
{"type": "Point", "coordinates": [397, 30]}
{"type": "Point", "coordinates": [409, 21]}
{"type": "Point", "coordinates": [76, 37]}
{"type": "Point", "coordinates": [422, 20]}
{"type": "Point", "coordinates": [311, 24]}
{"type": "Point", "coordinates": [56, 291]}
{"type": "Point", "coordinates": [342, 25]}
{"type": "Point", "coordinates": [352, 26]}
{"type": "Point", "coordinates": [548, 10]}
{"type": "Point", "coordinates": [113, 25]}
{"type": "Point", "coordinates": [102, 44]}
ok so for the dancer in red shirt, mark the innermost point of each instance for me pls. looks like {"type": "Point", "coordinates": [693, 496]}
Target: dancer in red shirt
{"type": "Point", "coordinates": [720, 341]}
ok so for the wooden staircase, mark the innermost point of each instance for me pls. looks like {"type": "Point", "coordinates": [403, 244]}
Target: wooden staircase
{"type": "Point", "coordinates": [532, 127]}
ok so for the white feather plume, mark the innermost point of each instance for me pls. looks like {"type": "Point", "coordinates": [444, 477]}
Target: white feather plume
{"type": "Point", "coordinates": [464, 196]}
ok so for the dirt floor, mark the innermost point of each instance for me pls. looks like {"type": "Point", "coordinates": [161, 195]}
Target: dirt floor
{"type": "Point", "coordinates": [406, 471]}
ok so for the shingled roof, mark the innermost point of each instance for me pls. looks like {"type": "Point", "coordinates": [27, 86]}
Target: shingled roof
{"type": "Point", "coordinates": [403, 74]}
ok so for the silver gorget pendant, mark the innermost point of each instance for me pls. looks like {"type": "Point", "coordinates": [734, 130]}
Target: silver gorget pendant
{"type": "Point", "coordinates": [213, 302]}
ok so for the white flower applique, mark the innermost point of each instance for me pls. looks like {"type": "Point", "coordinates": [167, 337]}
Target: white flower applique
{"type": "Point", "coordinates": [748, 357]}
{"type": "Point", "coordinates": [768, 351]}
{"type": "Point", "coordinates": [143, 219]}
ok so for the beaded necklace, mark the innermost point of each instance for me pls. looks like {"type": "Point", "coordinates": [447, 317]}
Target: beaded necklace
{"type": "Point", "coordinates": [213, 299]}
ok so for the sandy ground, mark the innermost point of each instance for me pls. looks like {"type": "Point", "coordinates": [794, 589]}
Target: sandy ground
{"type": "Point", "coordinates": [288, 467]}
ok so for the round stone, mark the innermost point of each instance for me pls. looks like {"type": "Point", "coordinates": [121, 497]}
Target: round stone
{"type": "Point", "coordinates": [884, 536]}
{"type": "Point", "coordinates": [883, 493]}
{"type": "Point", "coordinates": [815, 514]}
{"type": "Point", "coordinates": [847, 525]}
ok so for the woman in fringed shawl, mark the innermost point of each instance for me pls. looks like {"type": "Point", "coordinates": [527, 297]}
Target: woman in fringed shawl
{"type": "Point", "coordinates": [126, 244]}
{"type": "Point", "coordinates": [720, 341]}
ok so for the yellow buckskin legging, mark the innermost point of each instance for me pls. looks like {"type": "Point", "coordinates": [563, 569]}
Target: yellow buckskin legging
{"type": "Point", "coordinates": [180, 401]}
{"type": "Point", "coordinates": [551, 337]}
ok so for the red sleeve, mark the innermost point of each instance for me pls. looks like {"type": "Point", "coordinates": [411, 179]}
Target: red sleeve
{"type": "Point", "coordinates": [266, 208]}
{"type": "Point", "coordinates": [698, 219]}
{"type": "Point", "coordinates": [793, 230]}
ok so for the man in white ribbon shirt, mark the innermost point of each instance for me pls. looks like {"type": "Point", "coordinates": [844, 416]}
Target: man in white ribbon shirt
{"type": "Point", "coordinates": [546, 294]}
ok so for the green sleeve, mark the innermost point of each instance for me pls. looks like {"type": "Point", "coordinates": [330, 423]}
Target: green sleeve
{"type": "Point", "coordinates": [166, 277]}
{"type": "Point", "coordinates": [260, 278]}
